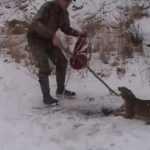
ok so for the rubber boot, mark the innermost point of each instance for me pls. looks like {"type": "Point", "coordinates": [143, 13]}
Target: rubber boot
{"type": "Point", "coordinates": [66, 94]}
{"type": "Point", "coordinates": [44, 84]}
{"type": "Point", "coordinates": [60, 78]}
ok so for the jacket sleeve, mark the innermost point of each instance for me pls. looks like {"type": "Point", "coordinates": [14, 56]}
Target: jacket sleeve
{"type": "Point", "coordinates": [40, 21]}
{"type": "Point", "coordinates": [65, 28]}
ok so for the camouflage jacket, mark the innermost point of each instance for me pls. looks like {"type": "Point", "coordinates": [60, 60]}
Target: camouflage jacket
{"type": "Point", "coordinates": [48, 20]}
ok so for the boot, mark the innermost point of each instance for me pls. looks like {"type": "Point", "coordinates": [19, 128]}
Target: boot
{"type": "Point", "coordinates": [66, 94]}
{"type": "Point", "coordinates": [60, 78]}
{"type": "Point", "coordinates": [44, 84]}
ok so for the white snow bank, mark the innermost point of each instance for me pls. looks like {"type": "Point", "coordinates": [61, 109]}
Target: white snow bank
{"type": "Point", "coordinates": [145, 26]}
{"type": "Point", "coordinates": [76, 124]}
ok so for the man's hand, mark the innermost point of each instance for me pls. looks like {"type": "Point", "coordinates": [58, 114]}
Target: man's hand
{"type": "Point", "coordinates": [82, 34]}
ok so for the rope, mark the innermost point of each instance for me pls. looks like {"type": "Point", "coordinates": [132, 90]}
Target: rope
{"type": "Point", "coordinates": [107, 86]}
{"type": "Point", "coordinates": [67, 79]}
{"type": "Point", "coordinates": [69, 75]}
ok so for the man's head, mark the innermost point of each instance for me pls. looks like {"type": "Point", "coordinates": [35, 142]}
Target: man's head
{"type": "Point", "coordinates": [64, 4]}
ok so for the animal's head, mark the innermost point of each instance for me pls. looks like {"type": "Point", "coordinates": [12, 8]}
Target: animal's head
{"type": "Point", "coordinates": [125, 93]}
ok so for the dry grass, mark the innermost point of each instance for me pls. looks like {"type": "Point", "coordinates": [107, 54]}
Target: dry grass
{"type": "Point", "coordinates": [123, 37]}
{"type": "Point", "coordinates": [19, 51]}
{"type": "Point", "coordinates": [119, 40]}
{"type": "Point", "coordinates": [134, 11]}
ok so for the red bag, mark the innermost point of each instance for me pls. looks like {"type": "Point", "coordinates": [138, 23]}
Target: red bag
{"type": "Point", "coordinates": [79, 58]}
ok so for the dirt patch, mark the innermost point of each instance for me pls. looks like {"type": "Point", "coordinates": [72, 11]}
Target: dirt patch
{"type": "Point", "coordinates": [17, 27]}
{"type": "Point", "coordinates": [89, 112]}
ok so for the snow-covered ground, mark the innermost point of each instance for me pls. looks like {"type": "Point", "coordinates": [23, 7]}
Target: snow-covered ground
{"type": "Point", "coordinates": [77, 124]}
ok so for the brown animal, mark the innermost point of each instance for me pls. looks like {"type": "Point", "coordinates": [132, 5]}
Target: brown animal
{"type": "Point", "coordinates": [134, 107]}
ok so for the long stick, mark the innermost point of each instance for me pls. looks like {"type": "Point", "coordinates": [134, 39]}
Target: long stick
{"type": "Point", "coordinates": [107, 86]}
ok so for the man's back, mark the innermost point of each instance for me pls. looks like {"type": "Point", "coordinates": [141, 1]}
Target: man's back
{"type": "Point", "coordinates": [48, 20]}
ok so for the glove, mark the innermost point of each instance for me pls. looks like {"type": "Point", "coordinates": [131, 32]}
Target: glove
{"type": "Point", "coordinates": [82, 34]}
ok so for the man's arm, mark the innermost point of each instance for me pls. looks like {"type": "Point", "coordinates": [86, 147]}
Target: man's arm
{"type": "Point", "coordinates": [65, 28]}
{"type": "Point", "coordinates": [41, 20]}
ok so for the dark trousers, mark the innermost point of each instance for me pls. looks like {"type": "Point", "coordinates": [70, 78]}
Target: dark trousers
{"type": "Point", "coordinates": [42, 51]}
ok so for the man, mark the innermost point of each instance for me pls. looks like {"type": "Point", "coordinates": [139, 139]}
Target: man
{"type": "Point", "coordinates": [51, 17]}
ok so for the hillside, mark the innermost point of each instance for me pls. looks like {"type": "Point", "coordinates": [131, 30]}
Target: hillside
{"type": "Point", "coordinates": [78, 124]}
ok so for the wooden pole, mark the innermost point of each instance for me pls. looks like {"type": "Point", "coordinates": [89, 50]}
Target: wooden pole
{"type": "Point", "coordinates": [95, 75]}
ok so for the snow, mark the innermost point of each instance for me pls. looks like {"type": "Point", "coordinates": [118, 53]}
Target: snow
{"type": "Point", "coordinates": [76, 124]}
{"type": "Point", "coordinates": [144, 24]}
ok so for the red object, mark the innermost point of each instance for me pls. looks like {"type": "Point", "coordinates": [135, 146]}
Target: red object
{"type": "Point", "coordinates": [79, 58]}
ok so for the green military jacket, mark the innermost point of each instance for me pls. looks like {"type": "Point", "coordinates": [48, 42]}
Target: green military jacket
{"type": "Point", "coordinates": [48, 20]}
